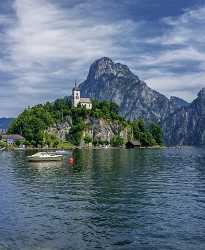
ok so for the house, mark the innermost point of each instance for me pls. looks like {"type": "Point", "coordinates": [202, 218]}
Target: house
{"type": "Point", "coordinates": [11, 139]}
{"type": "Point", "coordinates": [76, 99]}
{"type": "Point", "coordinates": [133, 144]}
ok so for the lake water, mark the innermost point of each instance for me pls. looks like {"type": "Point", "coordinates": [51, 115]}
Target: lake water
{"type": "Point", "coordinates": [111, 199]}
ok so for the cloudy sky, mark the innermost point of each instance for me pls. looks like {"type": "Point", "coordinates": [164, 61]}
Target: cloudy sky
{"type": "Point", "coordinates": [46, 44]}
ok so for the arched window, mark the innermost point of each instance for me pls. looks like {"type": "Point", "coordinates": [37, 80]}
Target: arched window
{"type": "Point", "coordinates": [77, 96]}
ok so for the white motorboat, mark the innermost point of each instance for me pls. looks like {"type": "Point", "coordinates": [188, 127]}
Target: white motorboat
{"type": "Point", "coordinates": [45, 156]}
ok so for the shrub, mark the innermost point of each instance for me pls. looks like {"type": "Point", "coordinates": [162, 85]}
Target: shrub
{"type": "Point", "coordinates": [18, 143]}
{"type": "Point", "coordinates": [156, 132]}
{"type": "Point", "coordinates": [87, 139]}
{"type": "Point", "coordinates": [117, 141]}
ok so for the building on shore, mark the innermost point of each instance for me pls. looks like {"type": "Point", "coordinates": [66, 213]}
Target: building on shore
{"type": "Point", "coordinates": [77, 100]}
{"type": "Point", "coordinates": [11, 139]}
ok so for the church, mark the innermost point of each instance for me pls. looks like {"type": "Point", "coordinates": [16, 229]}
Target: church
{"type": "Point", "coordinates": [76, 99]}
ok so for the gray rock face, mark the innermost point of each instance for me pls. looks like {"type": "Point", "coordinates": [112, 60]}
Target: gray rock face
{"type": "Point", "coordinates": [61, 129]}
{"type": "Point", "coordinates": [187, 125]}
{"type": "Point", "coordinates": [97, 129]}
{"type": "Point", "coordinates": [113, 81]}
{"type": "Point", "coordinates": [105, 130]}
{"type": "Point", "coordinates": [178, 102]}
{"type": "Point", "coordinates": [183, 123]}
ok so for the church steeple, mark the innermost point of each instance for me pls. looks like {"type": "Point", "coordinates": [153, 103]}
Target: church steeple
{"type": "Point", "coordinates": [76, 98]}
{"type": "Point", "coordinates": [76, 95]}
{"type": "Point", "coordinates": [76, 87]}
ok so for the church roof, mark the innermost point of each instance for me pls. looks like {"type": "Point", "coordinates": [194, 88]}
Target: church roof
{"type": "Point", "coordinates": [76, 88]}
{"type": "Point", "coordinates": [85, 100]}
{"type": "Point", "coordinates": [14, 137]}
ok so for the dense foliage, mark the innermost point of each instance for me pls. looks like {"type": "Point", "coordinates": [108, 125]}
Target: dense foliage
{"type": "Point", "coordinates": [117, 141]}
{"type": "Point", "coordinates": [107, 110]}
{"type": "Point", "coordinates": [148, 135]}
{"type": "Point", "coordinates": [33, 123]}
{"type": "Point", "coordinates": [156, 132]}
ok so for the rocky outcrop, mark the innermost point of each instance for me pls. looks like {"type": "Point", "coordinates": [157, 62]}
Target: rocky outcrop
{"type": "Point", "coordinates": [97, 129]}
{"type": "Point", "coordinates": [187, 125]}
{"type": "Point", "coordinates": [105, 130]}
{"type": "Point", "coordinates": [115, 82]}
{"type": "Point", "coordinates": [61, 129]}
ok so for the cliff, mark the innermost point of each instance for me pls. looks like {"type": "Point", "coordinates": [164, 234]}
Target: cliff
{"type": "Point", "coordinates": [187, 125]}
{"type": "Point", "coordinates": [107, 80]}
{"type": "Point", "coordinates": [183, 123]}
{"type": "Point", "coordinates": [99, 130]}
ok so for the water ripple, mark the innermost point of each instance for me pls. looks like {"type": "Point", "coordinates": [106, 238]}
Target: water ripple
{"type": "Point", "coordinates": [112, 199]}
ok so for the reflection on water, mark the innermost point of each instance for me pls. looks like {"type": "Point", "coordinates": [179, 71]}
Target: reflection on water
{"type": "Point", "coordinates": [42, 166]}
{"type": "Point", "coordinates": [109, 199]}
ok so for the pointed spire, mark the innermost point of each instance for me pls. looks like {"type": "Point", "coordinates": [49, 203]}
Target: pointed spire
{"type": "Point", "coordinates": [76, 86]}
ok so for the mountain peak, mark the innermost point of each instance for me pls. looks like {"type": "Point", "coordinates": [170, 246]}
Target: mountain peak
{"type": "Point", "coordinates": [183, 122]}
{"type": "Point", "coordinates": [108, 80]}
{"type": "Point", "coordinates": [178, 102]}
{"type": "Point", "coordinates": [104, 60]}
{"type": "Point", "coordinates": [201, 93]}
{"type": "Point", "coordinates": [105, 66]}
{"type": "Point", "coordinates": [100, 67]}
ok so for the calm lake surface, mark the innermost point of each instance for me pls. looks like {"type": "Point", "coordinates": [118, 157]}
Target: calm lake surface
{"type": "Point", "coordinates": [111, 199]}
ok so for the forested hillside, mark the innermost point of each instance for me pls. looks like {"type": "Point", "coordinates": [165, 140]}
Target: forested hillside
{"type": "Point", "coordinates": [57, 123]}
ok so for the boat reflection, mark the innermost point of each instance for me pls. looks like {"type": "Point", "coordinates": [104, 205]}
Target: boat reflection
{"type": "Point", "coordinates": [46, 165]}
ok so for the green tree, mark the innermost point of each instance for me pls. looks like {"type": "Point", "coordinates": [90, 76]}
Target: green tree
{"type": "Point", "coordinates": [76, 133]}
{"type": "Point", "coordinates": [117, 141]}
{"type": "Point", "coordinates": [18, 143]}
{"type": "Point", "coordinates": [87, 139]}
{"type": "Point", "coordinates": [156, 132]}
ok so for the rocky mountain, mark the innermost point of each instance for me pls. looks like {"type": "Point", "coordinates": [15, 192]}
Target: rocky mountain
{"type": "Point", "coordinates": [187, 125]}
{"type": "Point", "coordinates": [178, 102]}
{"type": "Point", "coordinates": [115, 82]}
{"type": "Point", "coordinates": [183, 123]}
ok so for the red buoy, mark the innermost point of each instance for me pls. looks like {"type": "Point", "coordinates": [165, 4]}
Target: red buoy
{"type": "Point", "coordinates": [71, 161]}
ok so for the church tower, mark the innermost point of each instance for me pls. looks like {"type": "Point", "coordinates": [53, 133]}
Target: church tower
{"type": "Point", "coordinates": [75, 95]}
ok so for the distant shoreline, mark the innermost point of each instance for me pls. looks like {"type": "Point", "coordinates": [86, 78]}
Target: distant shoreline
{"type": "Point", "coordinates": [93, 147]}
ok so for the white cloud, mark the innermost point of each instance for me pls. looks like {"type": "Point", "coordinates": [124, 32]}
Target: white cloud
{"type": "Point", "coordinates": [44, 41]}
{"type": "Point", "coordinates": [175, 56]}
{"type": "Point", "coordinates": [184, 86]}
{"type": "Point", "coordinates": [45, 47]}
{"type": "Point", "coordinates": [183, 30]}
{"type": "Point", "coordinates": [45, 33]}
{"type": "Point", "coordinates": [180, 45]}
